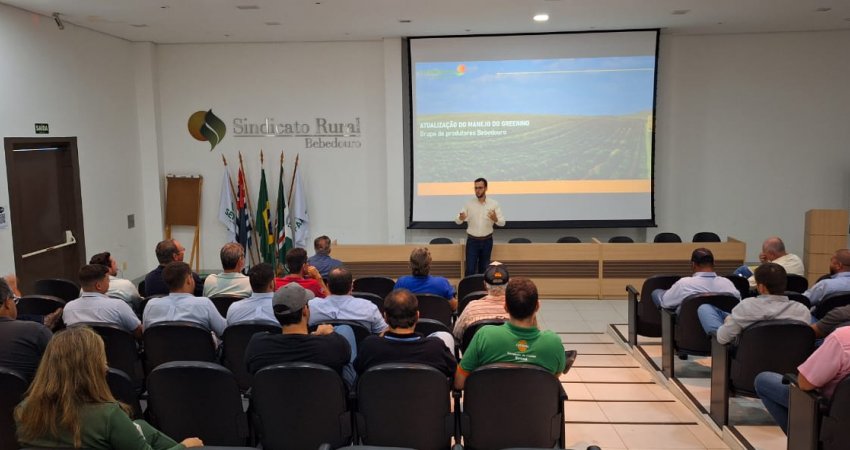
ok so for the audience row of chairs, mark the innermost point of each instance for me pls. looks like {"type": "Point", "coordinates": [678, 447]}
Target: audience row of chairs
{"type": "Point", "coordinates": [703, 236]}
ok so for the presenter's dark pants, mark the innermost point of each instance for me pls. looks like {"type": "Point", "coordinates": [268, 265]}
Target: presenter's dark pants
{"type": "Point", "coordinates": [478, 254]}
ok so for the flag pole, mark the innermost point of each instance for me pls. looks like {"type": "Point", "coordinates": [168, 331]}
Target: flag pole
{"type": "Point", "coordinates": [276, 232]}
{"type": "Point", "coordinates": [250, 212]}
{"type": "Point", "coordinates": [233, 192]}
{"type": "Point", "coordinates": [292, 182]}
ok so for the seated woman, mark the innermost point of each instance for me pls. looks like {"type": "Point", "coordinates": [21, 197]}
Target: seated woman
{"type": "Point", "coordinates": [69, 403]}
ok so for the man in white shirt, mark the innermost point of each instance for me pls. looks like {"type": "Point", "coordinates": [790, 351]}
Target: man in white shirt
{"type": "Point", "coordinates": [118, 287]}
{"type": "Point", "coordinates": [480, 214]}
{"type": "Point", "coordinates": [704, 280]}
{"type": "Point", "coordinates": [773, 250]}
{"type": "Point", "coordinates": [257, 307]}
{"type": "Point", "coordinates": [180, 304]}
{"type": "Point", "coordinates": [231, 281]}
{"type": "Point", "coordinates": [94, 306]}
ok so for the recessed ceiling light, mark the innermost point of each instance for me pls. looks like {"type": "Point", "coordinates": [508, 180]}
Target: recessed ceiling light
{"type": "Point", "coordinates": [272, 24]}
{"type": "Point", "coordinates": [165, 7]}
{"type": "Point", "coordinates": [139, 25]}
{"type": "Point", "coordinates": [680, 12]}
{"type": "Point", "coordinates": [246, 7]}
{"type": "Point", "coordinates": [467, 30]}
{"type": "Point", "coordinates": [823, 9]}
{"type": "Point", "coordinates": [226, 35]}
{"type": "Point", "coordinates": [404, 21]}
{"type": "Point", "coordinates": [541, 17]}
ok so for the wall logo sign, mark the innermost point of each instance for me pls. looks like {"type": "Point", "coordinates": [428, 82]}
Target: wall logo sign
{"type": "Point", "coordinates": [206, 126]}
{"type": "Point", "coordinates": [318, 133]}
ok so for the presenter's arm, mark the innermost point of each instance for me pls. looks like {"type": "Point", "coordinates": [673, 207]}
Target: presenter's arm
{"type": "Point", "coordinates": [462, 216]}
{"type": "Point", "coordinates": [500, 218]}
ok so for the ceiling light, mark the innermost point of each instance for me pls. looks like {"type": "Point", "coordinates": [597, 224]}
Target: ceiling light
{"type": "Point", "coordinates": [541, 17]}
{"type": "Point", "coordinates": [272, 24]}
{"type": "Point", "coordinates": [246, 7]}
{"type": "Point", "coordinates": [139, 25]}
{"type": "Point", "coordinates": [404, 21]}
{"type": "Point", "coordinates": [680, 12]}
{"type": "Point", "coordinates": [823, 9]}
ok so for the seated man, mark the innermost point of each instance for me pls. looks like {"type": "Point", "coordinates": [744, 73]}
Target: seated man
{"type": "Point", "coordinates": [328, 346]}
{"type": "Point", "coordinates": [703, 280]}
{"type": "Point", "coordinates": [492, 306]}
{"type": "Point", "coordinates": [322, 260]}
{"type": "Point", "coordinates": [94, 306]}
{"type": "Point", "coordinates": [773, 250]}
{"type": "Point", "coordinates": [168, 251]}
{"type": "Point", "coordinates": [401, 344]}
{"type": "Point", "coordinates": [302, 273]}
{"type": "Point", "coordinates": [827, 367]}
{"type": "Point", "coordinates": [834, 319]}
{"type": "Point", "coordinates": [181, 304]}
{"type": "Point", "coordinates": [257, 307]}
{"type": "Point", "coordinates": [518, 340]}
{"type": "Point", "coordinates": [421, 282]}
{"type": "Point", "coordinates": [118, 287]}
{"type": "Point", "coordinates": [231, 281]}
{"type": "Point", "coordinates": [21, 342]}
{"type": "Point", "coordinates": [771, 304]}
{"type": "Point", "coordinates": [839, 281]}
{"type": "Point", "coordinates": [341, 305]}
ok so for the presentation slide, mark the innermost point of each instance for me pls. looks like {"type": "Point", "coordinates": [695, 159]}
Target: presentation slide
{"type": "Point", "coordinates": [563, 135]}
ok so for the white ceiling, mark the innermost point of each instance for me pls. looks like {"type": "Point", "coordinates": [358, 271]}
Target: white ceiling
{"type": "Point", "coordinates": [205, 21]}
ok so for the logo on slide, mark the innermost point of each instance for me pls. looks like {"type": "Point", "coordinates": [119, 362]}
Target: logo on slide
{"type": "Point", "coordinates": [461, 70]}
{"type": "Point", "coordinates": [206, 126]}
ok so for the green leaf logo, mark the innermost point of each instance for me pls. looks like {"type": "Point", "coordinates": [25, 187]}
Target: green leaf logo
{"type": "Point", "coordinates": [206, 126]}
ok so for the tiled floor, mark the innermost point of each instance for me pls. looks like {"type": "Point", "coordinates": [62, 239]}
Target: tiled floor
{"type": "Point", "coordinates": [613, 401]}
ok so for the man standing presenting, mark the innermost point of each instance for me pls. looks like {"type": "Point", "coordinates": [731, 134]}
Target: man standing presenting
{"type": "Point", "coordinates": [480, 215]}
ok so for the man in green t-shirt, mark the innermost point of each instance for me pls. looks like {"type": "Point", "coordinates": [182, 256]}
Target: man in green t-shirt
{"type": "Point", "coordinates": [518, 340]}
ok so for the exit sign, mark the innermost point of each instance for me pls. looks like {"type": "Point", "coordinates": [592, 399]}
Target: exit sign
{"type": "Point", "coordinates": [42, 128]}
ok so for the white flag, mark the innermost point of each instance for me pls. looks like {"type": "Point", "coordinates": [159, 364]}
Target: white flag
{"type": "Point", "coordinates": [298, 211]}
{"type": "Point", "coordinates": [226, 213]}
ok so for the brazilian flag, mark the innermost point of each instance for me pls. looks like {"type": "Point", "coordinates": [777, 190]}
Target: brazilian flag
{"type": "Point", "coordinates": [264, 235]}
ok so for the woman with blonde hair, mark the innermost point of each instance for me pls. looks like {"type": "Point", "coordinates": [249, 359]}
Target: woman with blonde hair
{"type": "Point", "coordinates": [69, 403]}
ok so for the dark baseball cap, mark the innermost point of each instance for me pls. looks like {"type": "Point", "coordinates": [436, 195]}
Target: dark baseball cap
{"type": "Point", "coordinates": [496, 274]}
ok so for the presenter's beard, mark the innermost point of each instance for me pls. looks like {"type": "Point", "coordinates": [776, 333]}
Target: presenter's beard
{"type": "Point", "coordinates": [479, 196]}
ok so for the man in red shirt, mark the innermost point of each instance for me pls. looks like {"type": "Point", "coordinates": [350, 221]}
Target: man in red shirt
{"type": "Point", "coordinates": [302, 273]}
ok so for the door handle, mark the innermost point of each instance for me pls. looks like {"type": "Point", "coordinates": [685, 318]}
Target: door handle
{"type": "Point", "coordinates": [69, 240]}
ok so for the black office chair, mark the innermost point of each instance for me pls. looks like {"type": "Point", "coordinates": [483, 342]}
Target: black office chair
{"type": "Point", "coordinates": [222, 302]}
{"type": "Point", "coordinates": [380, 286]}
{"type": "Point", "coordinates": [141, 288]}
{"type": "Point", "coordinates": [430, 326]}
{"type": "Point", "coordinates": [124, 390]}
{"type": "Point", "coordinates": [741, 284]}
{"type": "Point", "coordinates": [568, 240]}
{"type": "Point", "coordinates": [644, 316]}
{"type": "Point", "coordinates": [39, 304]}
{"type": "Point", "coordinates": [177, 341]}
{"type": "Point", "coordinates": [440, 240]}
{"type": "Point", "coordinates": [621, 240]}
{"type": "Point", "coordinates": [236, 338]}
{"type": "Point", "coordinates": [798, 297]}
{"type": "Point", "coordinates": [473, 328]}
{"type": "Point", "coordinates": [405, 405]}
{"type": "Point", "coordinates": [360, 331]}
{"type": "Point", "coordinates": [300, 406]}
{"type": "Point", "coordinates": [487, 424]}
{"type": "Point", "coordinates": [435, 307]}
{"type": "Point", "coordinates": [375, 299]}
{"type": "Point", "coordinates": [470, 283]}
{"type": "Point", "coordinates": [706, 236]}
{"type": "Point", "coordinates": [818, 423]}
{"type": "Point", "coordinates": [194, 398]}
{"type": "Point", "coordinates": [58, 287]}
{"type": "Point", "coordinates": [830, 302]}
{"type": "Point", "coordinates": [667, 238]}
{"type": "Point", "coordinates": [682, 333]}
{"type": "Point", "coordinates": [469, 298]}
{"type": "Point", "coordinates": [519, 240]}
{"type": "Point", "coordinates": [122, 352]}
{"type": "Point", "coordinates": [768, 346]}
{"type": "Point", "coordinates": [12, 388]}
{"type": "Point", "coordinates": [797, 283]}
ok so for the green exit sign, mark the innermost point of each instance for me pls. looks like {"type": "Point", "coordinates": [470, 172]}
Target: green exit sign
{"type": "Point", "coordinates": [42, 128]}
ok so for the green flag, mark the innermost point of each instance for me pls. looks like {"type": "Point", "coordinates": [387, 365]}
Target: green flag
{"type": "Point", "coordinates": [284, 242]}
{"type": "Point", "coordinates": [264, 236]}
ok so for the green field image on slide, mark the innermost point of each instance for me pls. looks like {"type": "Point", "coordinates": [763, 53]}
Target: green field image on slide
{"type": "Point", "coordinates": [552, 147]}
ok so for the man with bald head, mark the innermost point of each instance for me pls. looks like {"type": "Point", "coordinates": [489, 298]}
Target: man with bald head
{"type": "Point", "coordinates": [773, 250]}
{"type": "Point", "coordinates": [839, 281]}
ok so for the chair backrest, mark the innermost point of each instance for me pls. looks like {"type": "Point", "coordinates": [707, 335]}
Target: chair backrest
{"type": "Point", "coordinates": [797, 283]}
{"type": "Point", "coordinates": [473, 328]}
{"type": "Point", "coordinates": [194, 398]}
{"type": "Point", "coordinates": [667, 237]}
{"type": "Point", "coordinates": [470, 283]}
{"type": "Point", "coordinates": [375, 299]}
{"type": "Point", "coordinates": [835, 425]}
{"type": "Point", "coordinates": [486, 422]}
{"type": "Point", "coordinates": [771, 345]}
{"type": "Point", "coordinates": [360, 331]}
{"type": "Point", "coordinates": [689, 336]}
{"type": "Point", "coordinates": [799, 298]}
{"type": "Point", "coordinates": [58, 287]}
{"type": "Point", "coordinates": [300, 406]}
{"type": "Point", "coordinates": [177, 341]}
{"type": "Point", "coordinates": [429, 326]}
{"type": "Point", "coordinates": [12, 388]}
{"type": "Point", "coordinates": [741, 284]}
{"type": "Point", "coordinates": [440, 240]}
{"type": "Point", "coordinates": [236, 338]}
{"type": "Point", "coordinates": [435, 307]}
{"type": "Point", "coordinates": [142, 288]}
{"type": "Point", "coordinates": [222, 302]}
{"type": "Point", "coordinates": [621, 240]}
{"type": "Point", "coordinates": [122, 353]}
{"type": "Point", "coordinates": [706, 236]}
{"type": "Point", "coordinates": [39, 305]}
{"type": "Point", "coordinates": [469, 298]}
{"type": "Point", "coordinates": [519, 240]}
{"type": "Point", "coordinates": [380, 286]}
{"type": "Point", "coordinates": [568, 240]}
{"type": "Point", "coordinates": [124, 390]}
{"type": "Point", "coordinates": [405, 405]}
{"type": "Point", "coordinates": [831, 302]}
{"type": "Point", "coordinates": [649, 317]}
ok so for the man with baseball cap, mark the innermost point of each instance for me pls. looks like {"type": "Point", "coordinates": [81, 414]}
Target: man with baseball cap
{"type": "Point", "coordinates": [703, 280]}
{"type": "Point", "coordinates": [491, 306]}
{"type": "Point", "coordinates": [328, 345]}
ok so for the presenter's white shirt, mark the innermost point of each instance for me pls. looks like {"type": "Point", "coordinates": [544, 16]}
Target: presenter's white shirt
{"type": "Point", "coordinates": [478, 222]}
